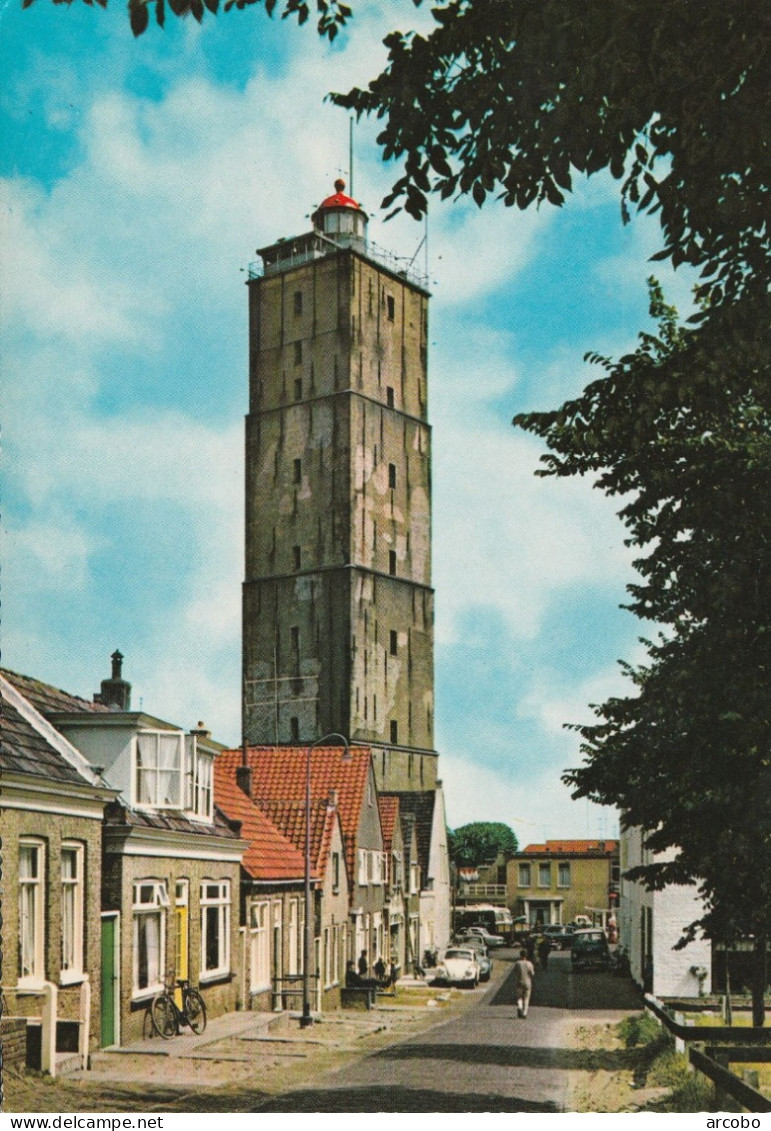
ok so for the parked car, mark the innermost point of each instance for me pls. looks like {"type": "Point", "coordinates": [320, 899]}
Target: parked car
{"type": "Point", "coordinates": [560, 936]}
{"type": "Point", "coordinates": [590, 950]}
{"type": "Point", "coordinates": [459, 967]}
{"type": "Point", "coordinates": [483, 958]}
{"type": "Point", "coordinates": [489, 940]}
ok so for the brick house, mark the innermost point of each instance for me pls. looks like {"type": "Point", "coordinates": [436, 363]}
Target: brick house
{"type": "Point", "coordinates": [431, 869]}
{"type": "Point", "coordinates": [560, 879]}
{"type": "Point", "coordinates": [51, 809]}
{"type": "Point", "coordinates": [170, 868]}
{"type": "Point", "coordinates": [278, 785]}
{"type": "Point", "coordinates": [396, 905]}
{"type": "Point", "coordinates": [411, 872]}
{"type": "Point", "coordinates": [273, 893]}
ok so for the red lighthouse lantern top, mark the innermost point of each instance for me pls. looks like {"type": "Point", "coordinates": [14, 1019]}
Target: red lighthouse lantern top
{"type": "Point", "coordinates": [338, 199]}
{"type": "Point", "coordinates": [341, 218]}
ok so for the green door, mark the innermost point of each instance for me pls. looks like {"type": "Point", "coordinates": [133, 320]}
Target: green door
{"type": "Point", "coordinates": [109, 980]}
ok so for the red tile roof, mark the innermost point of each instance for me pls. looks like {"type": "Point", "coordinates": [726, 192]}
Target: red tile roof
{"type": "Point", "coordinates": [389, 815]}
{"type": "Point", "coordinates": [573, 848]}
{"type": "Point", "coordinates": [289, 817]}
{"type": "Point", "coordinates": [278, 776]}
{"type": "Point", "coordinates": [270, 855]}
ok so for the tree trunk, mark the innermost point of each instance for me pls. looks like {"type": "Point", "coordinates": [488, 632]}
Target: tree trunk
{"type": "Point", "coordinates": [759, 981]}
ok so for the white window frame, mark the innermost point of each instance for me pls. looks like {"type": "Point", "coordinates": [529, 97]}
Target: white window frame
{"type": "Point", "coordinates": [72, 914]}
{"type": "Point", "coordinates": [363, 867]}
{"type": "Point", "coordinates": [259, 932]}
{"type": "Point", "coordinates": [377, 868]}
{"type": "Point", "coordinates": [215, 895]}
{"type": "Point", "coordinates": [294, 937]}
{"type": "Point", "coordinates": [524, 875]}
{"type": "Point", "coordinates": [150, 899]}
{"type": "Point", "coordinates": [563, 869]}
{"type": "Point", "coordinates": [336, 954]}
{"type": "Point", "coordinates": [543, 867]}
{"type": "Point", "coordinates": [147, 779]}
{"type": "Point", "coordinates": [31, 890]}
{"type": "Point", "coordinates": [199, 779]}
{"type": "Point", "coordinates": [327, 958]}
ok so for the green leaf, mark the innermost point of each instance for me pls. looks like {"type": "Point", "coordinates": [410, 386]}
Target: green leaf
{"type": "Point", "coordinates": [138, 16]}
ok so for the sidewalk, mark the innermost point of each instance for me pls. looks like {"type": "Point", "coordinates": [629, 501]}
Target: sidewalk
{"type": "Point", "coordinates": [238, 1061]}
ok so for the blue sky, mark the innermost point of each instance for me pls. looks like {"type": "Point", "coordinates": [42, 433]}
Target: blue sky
{"type": "Point", "coordinates": [138, 178]}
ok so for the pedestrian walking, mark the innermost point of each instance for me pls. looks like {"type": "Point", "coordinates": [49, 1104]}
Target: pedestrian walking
{"type": "Point", "coordinates": [524, 972]}
{"type": "Point", "coordinates": [544, 950]}
{"type": "Point", "coordinates": [363, 964]}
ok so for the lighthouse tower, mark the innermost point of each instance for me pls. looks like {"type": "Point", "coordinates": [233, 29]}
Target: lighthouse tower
{"type": "Point", "coordinates": [338, 608]}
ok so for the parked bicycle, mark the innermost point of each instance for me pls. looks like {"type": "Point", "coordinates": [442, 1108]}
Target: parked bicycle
{"type": "Point", "coordinates": [168, 1018]}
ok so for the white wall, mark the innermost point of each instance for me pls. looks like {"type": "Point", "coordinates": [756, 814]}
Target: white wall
{"type": "Point", "coordinates": [671, 910]}
{"type": "Point", "coordinates": [439, 869]}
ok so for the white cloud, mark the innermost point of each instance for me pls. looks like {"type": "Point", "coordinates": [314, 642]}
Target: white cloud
{"type": "Point", "coordinates": [511, 541]}
{"type": "Point", "coordinates": [54, 553]}
{"type": "Point", "coordinates": [536, 805]}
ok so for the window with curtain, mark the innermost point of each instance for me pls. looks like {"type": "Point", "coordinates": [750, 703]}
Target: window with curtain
{"type": "Point", "coordinates": [198, 779]}
{"type": "Point", "coordinates": [31, 919]}
{"type": "Point", "coordinates": [149, 936]}
{"type": "Point", "coordinates": [158, 761]}
{"type": "Point", "coordinates": [72, 911]}
{"type": "Point", "coordinates": [215, 928]}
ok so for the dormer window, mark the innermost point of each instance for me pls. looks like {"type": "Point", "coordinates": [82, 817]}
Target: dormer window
{"type": "Point", "coordinates": [158, 776]}
{"type": "Point", "coordinates": [171, 771]}
{"type": "Point", "coordinates": [198, 779]}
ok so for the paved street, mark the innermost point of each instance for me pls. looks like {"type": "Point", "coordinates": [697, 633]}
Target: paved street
{"type": "Point", "coordinates": [486, 1059]}
{"type": "Point", "coordinates": [470, 1054]}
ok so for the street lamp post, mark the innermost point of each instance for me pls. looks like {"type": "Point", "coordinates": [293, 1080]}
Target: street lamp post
{"type": "Point", "coordinates": [306, 1018]}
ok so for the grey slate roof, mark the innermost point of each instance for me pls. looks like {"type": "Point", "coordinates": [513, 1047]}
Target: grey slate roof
{"type": "Point", "coordinates": [420, 807]}
{"type": "Point", "coordinates": [47, 699]}
{"type": "Point", "coordinates": [170, 820]}
{"type": "Point", "coordinates": [24, 751]}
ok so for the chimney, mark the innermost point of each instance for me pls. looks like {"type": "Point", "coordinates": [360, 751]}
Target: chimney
{"type": "Point", "coordinates": [244, 779]}
{"type": "Point", "coordinates": [116, 692]}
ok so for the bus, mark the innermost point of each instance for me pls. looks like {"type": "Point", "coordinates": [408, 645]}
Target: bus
{"type": "Point", "coordinates": [495, 920]}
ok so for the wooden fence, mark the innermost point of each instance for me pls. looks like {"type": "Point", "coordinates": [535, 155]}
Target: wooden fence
{"type": "Point", "coordinates": [746, 1045]}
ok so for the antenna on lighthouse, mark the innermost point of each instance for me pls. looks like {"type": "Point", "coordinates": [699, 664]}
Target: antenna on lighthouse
{"type": "Point", "coordinates": [350, 155]}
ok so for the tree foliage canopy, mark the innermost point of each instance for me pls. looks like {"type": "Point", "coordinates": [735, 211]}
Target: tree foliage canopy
{"type": "Point", "coordinates": [685, 441]}
{"type": "Point", "coordinates": [331, 15]}
{"type": "Point", "coordinates": [516, 98]}
{"type": "Point", "coordinates": [480, 842]}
